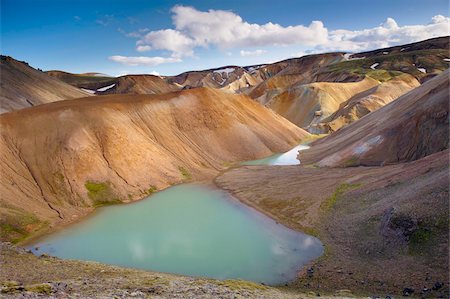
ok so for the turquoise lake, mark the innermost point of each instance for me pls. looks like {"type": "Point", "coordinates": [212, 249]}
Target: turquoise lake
{"type": "Point", "coordinates": [287, 158]}
{"type": "Point", "coordinates": [187, 229]}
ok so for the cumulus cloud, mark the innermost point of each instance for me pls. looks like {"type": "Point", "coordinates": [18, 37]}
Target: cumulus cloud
{"type": "Point", "coordinates": [225, 29]}
{"type": "Point", "coordinates": [142, 60]}
{"type": "Point", "coordinates": [387, 34]}
{"type": "Point", "coordinates": [252, 53]}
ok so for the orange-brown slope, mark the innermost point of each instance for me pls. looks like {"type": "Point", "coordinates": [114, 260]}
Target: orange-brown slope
{"type": "Point", "coordinates": [140, 84]}
{"type": "Point", "coordinates": [283, 74]}
{"type": "Point", "coordinates": [22, 86]}
{"type": "Point", "coordinates": [365, 102]}
{"type": "Point", "coordinates": [71, 155]}
{"type": "Point", "coordinates": [413, 126]}
{"type": "Point", "coordinates": [305, 104]}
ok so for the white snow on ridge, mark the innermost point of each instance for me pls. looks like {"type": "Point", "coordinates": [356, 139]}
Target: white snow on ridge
{"type": "Point", "coordinates": [106, 87]}
{"type": "Point", "coordinates": [88, 90]}
{"type": "Point", "coordinates": [373, 66]}
{"type": "Point", "coordinates": [251, 69]}
{"type": "Point", "coordinates": [347, 57]}
{"type": "Point", "coordinates": [421, 69]}
{"type": "Point", "coordinates": [227, 71]}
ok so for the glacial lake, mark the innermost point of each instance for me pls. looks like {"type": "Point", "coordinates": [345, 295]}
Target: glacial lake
{"type": "Point", "coordinates": [287, 158]}
{"type": "Point", "coordinates": [188, 229]}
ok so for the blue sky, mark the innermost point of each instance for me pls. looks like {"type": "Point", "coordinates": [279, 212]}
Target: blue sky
{"type": "Point", "coordinates": [105, 35]}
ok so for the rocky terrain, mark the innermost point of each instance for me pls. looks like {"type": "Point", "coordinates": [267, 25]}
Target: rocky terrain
{"type": "Point", "coordinates": [65, 159]}
{"type": "Point", "coordinates": [22, 86]}
{"type": "Point", "coordinates": [385, 227]}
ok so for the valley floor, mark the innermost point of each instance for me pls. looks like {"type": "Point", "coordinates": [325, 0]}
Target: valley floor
{"type": "Point", "coordinates": [384, 229]}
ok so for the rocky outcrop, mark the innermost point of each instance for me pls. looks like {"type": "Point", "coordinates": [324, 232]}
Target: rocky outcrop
{"type": "Point", "coordinates": [71, 155]}
{"type": "Point", "coordinates": [23, 86]}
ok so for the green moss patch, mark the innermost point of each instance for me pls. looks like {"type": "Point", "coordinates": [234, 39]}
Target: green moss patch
{"type": "Point", "coordinates": [392, 65]}
{"type": "Point", "coordinates": [184, 173]}
{"type": "Point", "coordinates": [101, 193]}
{"type": "Point", "coordinates": [425, 237]}
{"type": "Point", "coordinates": [337, 194]}
{"type": "Point", "coordinates": [17, 224]}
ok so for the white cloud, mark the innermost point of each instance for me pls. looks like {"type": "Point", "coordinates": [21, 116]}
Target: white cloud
{"type": "Point", "coordinates": [143, 60]}
{"type": "Point", "coordinates": [225, 29]}
{"type": "Point", "coordinates": [252, 53]}
{"type": "Point", "coordinates": [155, 73]}
{"type": "Point", "coordinates": [387, 34]}
{"type": "Point", "coordinates": [168, 39]}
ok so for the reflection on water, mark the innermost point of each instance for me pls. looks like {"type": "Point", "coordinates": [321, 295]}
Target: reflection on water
{"type": "Point", "coordinates": [287, 158]}
{"type": "Point", "coordinates": [188, 229]}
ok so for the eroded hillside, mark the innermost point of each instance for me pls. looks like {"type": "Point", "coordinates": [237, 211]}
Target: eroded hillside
{"type": "Point", "coordinates": [70, 156]}
{"type": "Point", "coordinates": [411, 127]}
{"type": "Point", "coordinates": [23, 86]}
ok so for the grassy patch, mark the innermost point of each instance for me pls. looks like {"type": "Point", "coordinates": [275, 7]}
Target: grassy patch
{"type": "Point", "coordinates": [337, 194]}
{"type": "Point", "coordinates": [101, 194]}
{"type": "Point", "coordinates": [184, 173]}
{"type": "Point", "coordinates": [17, 225]}
{"type": "Point", "coordinates": [43, 288]}
{"type": "Point", "coordinates": [426, 237]}
{"type": "Point", "coordinates": [227, 164]}
{"type": "Point", "coordinates": [151, 190]}
{"type": "Point", "coordinates": [392, 65]}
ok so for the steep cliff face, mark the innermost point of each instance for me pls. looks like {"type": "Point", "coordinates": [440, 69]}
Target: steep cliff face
{"type": "Point", "coordinates": [71, 155]}
{"type": "Point", "coordinates": [22, 86]}
{"type": "Point", "coordinates": [411, 127]}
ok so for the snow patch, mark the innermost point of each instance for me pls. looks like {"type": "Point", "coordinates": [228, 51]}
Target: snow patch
{"type": "Point", "coordinates": [421, 69]}
{"type": "Point", "coordinates": [446, 59]}
{"type": "Point", "coordinates": [347, 57]}
{"type": "Point", "coordinates": [88, 90]}
{"type": "Point", "coordinates": [106, 87]}
{"type": "Point", "coordinates": [227, 71]}
{"type": "Point", "coordinates": [254, 68]}
{"type": "Point", "coordinates": [373, 66]}
{"type": "Point", "coordinates": [365, 146]}
{"type": "Point", "coordinates": [385, 53]}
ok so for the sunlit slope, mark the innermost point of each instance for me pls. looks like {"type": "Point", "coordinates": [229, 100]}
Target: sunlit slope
{"type": "Point", "coordinates": [72, 155]}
